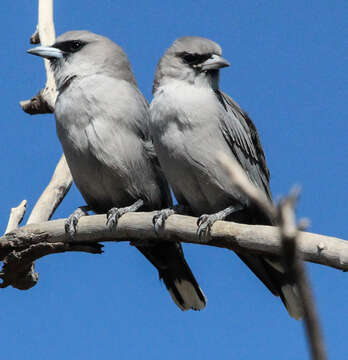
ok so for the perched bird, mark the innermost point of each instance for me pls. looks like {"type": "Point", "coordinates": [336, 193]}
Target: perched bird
{"type": "Point", "coordinates": [192, 122]}
{"type": "Point", "coordinates": [102, 123]}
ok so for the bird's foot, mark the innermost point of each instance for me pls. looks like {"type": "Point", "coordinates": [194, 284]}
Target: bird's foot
{"type": "Point", "coordinates": [162, 215]}
{"type": "Point", "coordinates": [206, 221]}
{"type": "Point", "coordinates": [115, 213]}
{"type": "Point", "coordinates": [112, 217]}
{"type": "Point", "coordinates": [160, 218]}
{"type": "Point", "coordinates": [72, 221]}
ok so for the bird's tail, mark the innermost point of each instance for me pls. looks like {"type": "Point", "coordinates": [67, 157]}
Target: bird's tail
{"type": "Point", "coordinates": [184, 289]}
{"type": "Point", "coordinates": [272, 274]}
{"type": "Point", "coordinates": [173, 269]}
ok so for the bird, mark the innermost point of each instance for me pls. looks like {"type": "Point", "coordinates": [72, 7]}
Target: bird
{"type": "Point", "coordinates": [102, 122]}
{"type": "Point", "coordinates": [193, 122]}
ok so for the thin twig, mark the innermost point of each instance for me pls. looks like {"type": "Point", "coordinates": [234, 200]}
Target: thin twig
{"type": "Point", "coordinates": [296, 269]}
{"type": "Point", "coordinates": [35, 38]}
{"type": "Point", "coordinates": [284, 215]}
{"type": "Point", "coordinates": [242, 183]}
{"type": "Point", "coordinates": [16, 216]}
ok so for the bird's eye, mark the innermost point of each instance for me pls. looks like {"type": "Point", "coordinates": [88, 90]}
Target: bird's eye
{"type": "Point", "coordinates": [189, 58]}
{"type": "Point", "coordinates": [75, 45]}
{"type": "Point", "coordinates": [69, 46]}
{"type": "Point", "coordinates": [194, 59]}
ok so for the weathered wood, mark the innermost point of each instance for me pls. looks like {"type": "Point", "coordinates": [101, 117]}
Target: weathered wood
{"type": "Point", "coordinates": [296, 270]}
{"type": "Point", "coordinates": [53, 194]}
{"type": "Point", "coordinates": [45, 100]}
{"type": "Point", "coordinates": [61, 181]}
{"type": "Point", "coordinates": [16, 216]}
{"type": "Point", "coordinates": [325, 250]}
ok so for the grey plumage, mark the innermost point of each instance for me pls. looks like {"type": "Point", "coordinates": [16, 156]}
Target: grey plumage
{"type": "Point", "coordinates": [103, 125]}
{"type": "Point", "coordinates": [192, 121]}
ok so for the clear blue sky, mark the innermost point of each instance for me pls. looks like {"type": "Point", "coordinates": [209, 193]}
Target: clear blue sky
{"type": "Point", "coordinates": [287, 72]}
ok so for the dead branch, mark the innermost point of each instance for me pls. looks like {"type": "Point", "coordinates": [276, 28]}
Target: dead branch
{"type": "Point", "coordinates": [265, 240]}
{"type": "Point", "coordinates": [284, 216]}
{"type": "Point", "coordinates": [53, 194]}
{"type": "Point", "coordinates": [16, 216]}
{"type": "Point", "coordinates": [21, 274]}
{"type": "Point", "coordinates": [44, 101]}
{"type": "Point", "coordinates": [242, 183]}
{"type": "Point", "coordinates": [295, 267]}
{"type": "Point", "coordinates": [17, 272]}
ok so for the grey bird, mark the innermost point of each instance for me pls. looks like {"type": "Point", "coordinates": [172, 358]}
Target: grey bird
{"type": "Point", "coordinates": [102, 122]}
{"type": "Point", "coordinates": [192, 122]}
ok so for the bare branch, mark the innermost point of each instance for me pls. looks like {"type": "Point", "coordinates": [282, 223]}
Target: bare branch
{"type": "Point", "coordinates": [35, 38]}
{"type": "Point", "coordinates": [296, 269]}
{"type": "Point", "coordinates": [240, 180]}
{"type": "Point", "coordinates": [53, 194]}
{"type": "Point", "coordinates": [16, 216]}
{"type": "Point", "coordinates": [37, 104]}
{"type": "Point", "coordinates": [134, 227]}
{"type": "Point", "coordinates": [44, 101]}
{"type": "Point", "coordinates": [17, 268]}
{"type": "Point", "coordinates": [284, 215]}
{"type": "Point", "coordinates": [25, 277]}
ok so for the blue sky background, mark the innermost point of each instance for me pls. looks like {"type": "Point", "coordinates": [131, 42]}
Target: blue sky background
{"type": "Point", "coordinates": [287, 72]}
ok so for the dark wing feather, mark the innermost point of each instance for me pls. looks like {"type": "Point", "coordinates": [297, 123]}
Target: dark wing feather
{"type": "Point", "coordinates": [243, 139]}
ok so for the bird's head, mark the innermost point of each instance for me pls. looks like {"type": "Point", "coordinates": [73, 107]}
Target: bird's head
{"type": "Point", "coordinates": [82, 53]}
{"type": "Point", "coordinates": [193, 59]}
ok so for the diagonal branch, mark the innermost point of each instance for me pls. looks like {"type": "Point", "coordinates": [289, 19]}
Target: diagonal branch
{"type": "Point", "coordinates": [284, 216]}
{"type": "Point", "coordinates": [16, 216]}
{"type": "Point", "coordinates": [53, 194]}
{"type": "Point", "coordinates": [295, 267]}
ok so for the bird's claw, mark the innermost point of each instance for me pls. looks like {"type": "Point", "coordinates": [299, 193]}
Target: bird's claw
{"type": "Point", "coordinates": [203, 218]}
{"type": "Point", "coordinates": [204, 223]}
{"type": "Point", "coordinates": [115, 213]}
{"type": "Point", "coordinates": [112, 218]}
{"type": "Point", "coordinates": [160, 218]}
{"type": "Point", "coordinates": [71, 224]}
{"type": "Point", "coordinates": [158, 221]}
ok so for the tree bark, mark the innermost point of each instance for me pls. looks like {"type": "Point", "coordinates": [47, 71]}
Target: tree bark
{"type": "Point", "coordinates": [138, 227]}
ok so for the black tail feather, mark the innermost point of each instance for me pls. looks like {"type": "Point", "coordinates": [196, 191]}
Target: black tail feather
{"type": "Point", "coordinates": [173, 269]}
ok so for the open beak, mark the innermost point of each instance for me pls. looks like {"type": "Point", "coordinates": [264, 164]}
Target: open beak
{"type": "Point", "coordinates": [47, 52]}
{"type": "Point", "coordinates": [215, 62]}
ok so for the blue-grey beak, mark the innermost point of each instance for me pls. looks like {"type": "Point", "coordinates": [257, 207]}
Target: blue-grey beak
{"type": "Point", "coordinates": [215, 62]}
{"type": "Point", "coordinates": [47, 52]}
